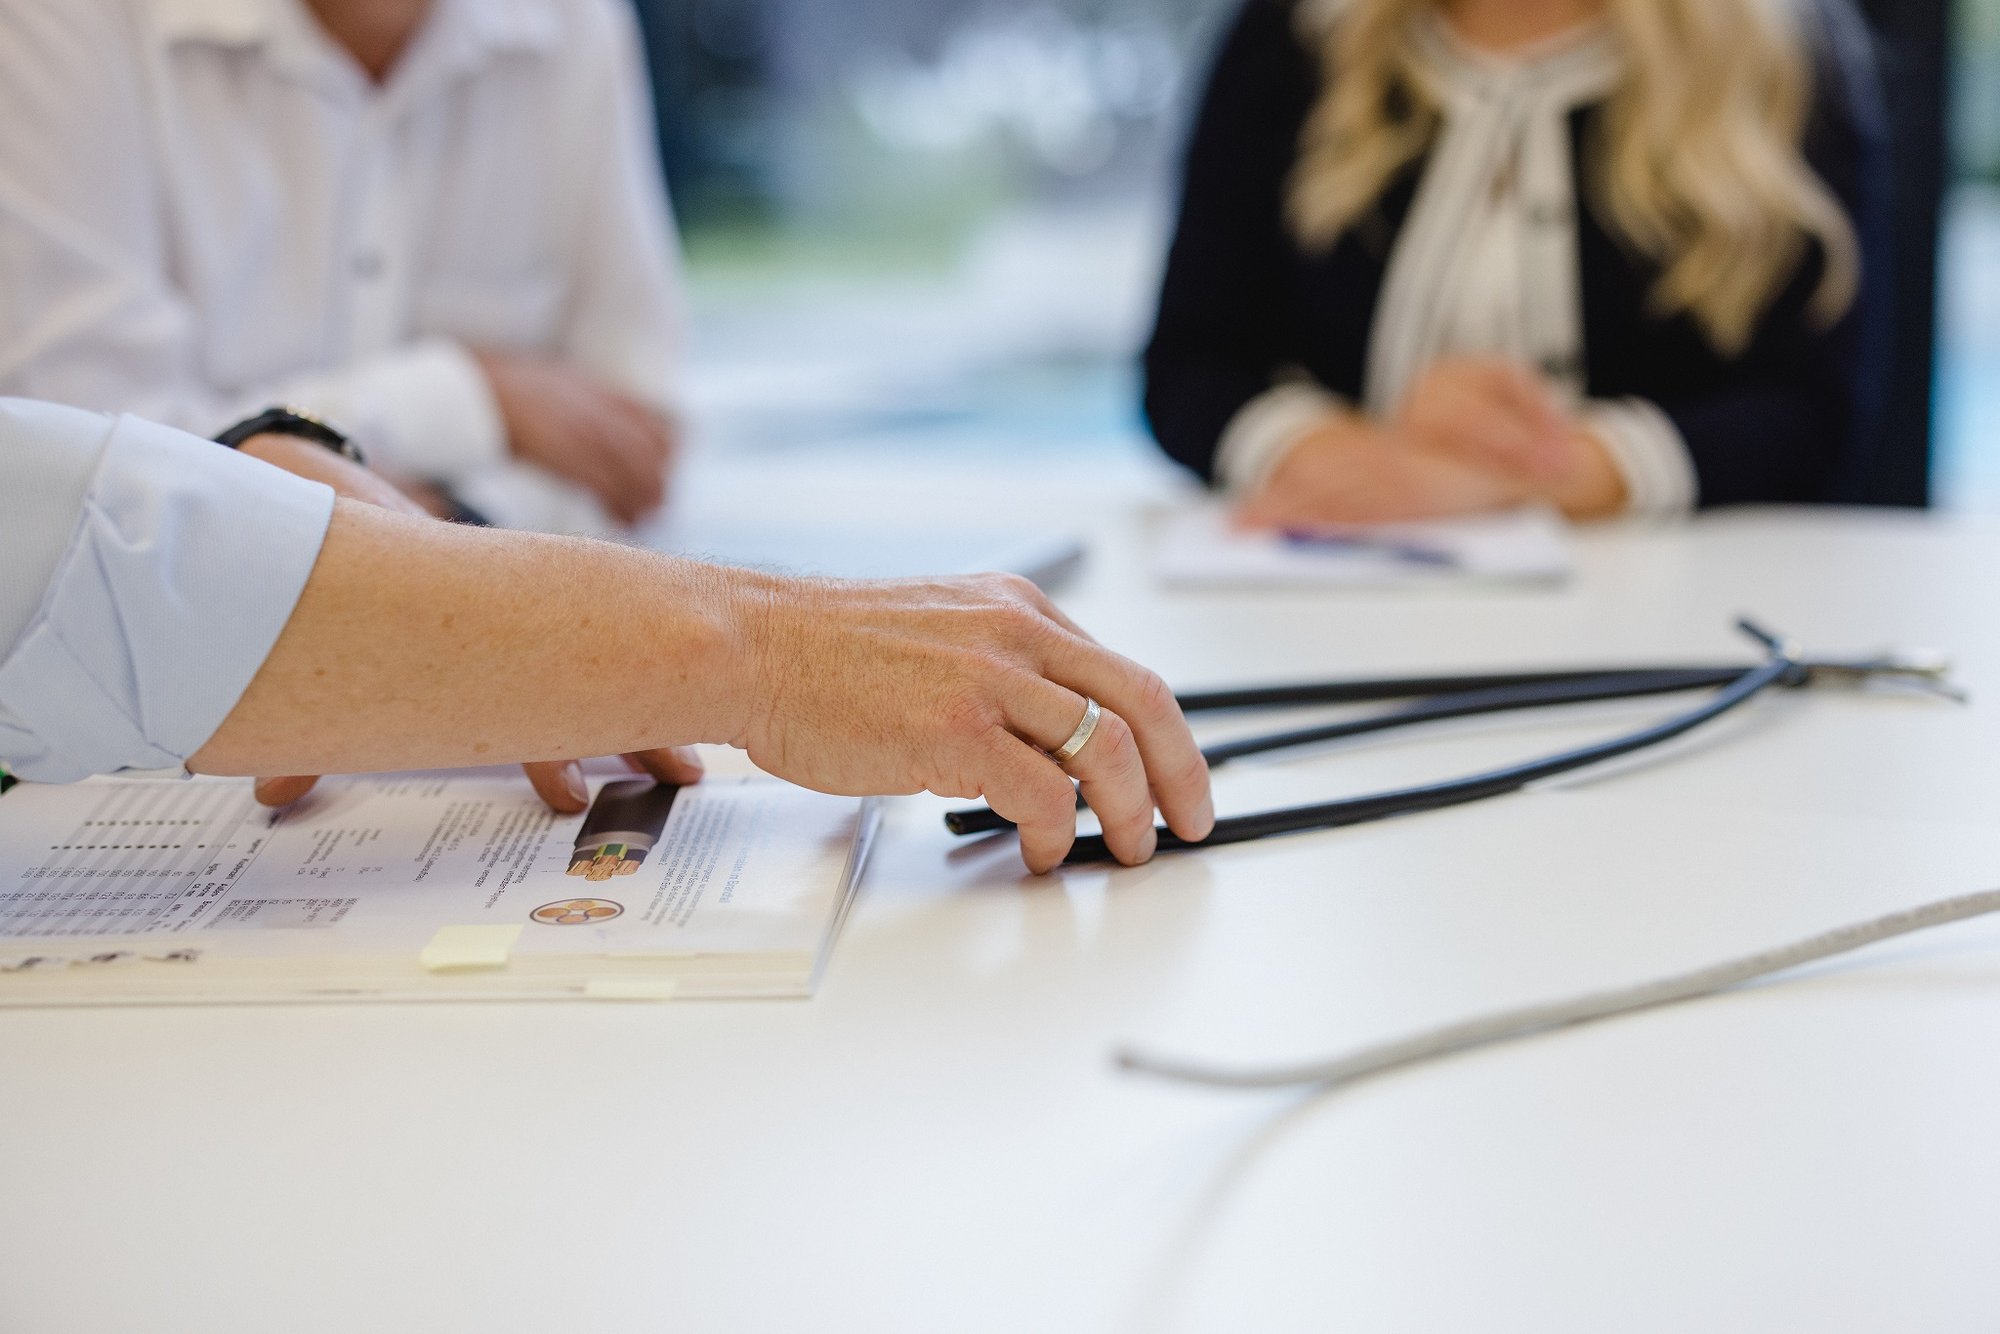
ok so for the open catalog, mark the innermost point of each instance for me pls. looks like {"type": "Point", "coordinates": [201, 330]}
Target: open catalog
{"type": "Point", "coordinates": [421, 886]}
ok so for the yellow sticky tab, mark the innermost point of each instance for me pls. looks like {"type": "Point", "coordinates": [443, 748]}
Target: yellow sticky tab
{"type": "Point", "coordinates": [469, 947]}
{"type": "Point", "coordinates": [629, 988]}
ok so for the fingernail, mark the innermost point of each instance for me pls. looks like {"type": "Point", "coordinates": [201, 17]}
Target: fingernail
{"type": "Point", "coordinates": [691, 758]}
{"type": "Point", "coordinates": [573, 780]}
{"type": "Point", "coordinates": [1149, 844]}
{"type": "Point", "coordinates": [1205, 818]}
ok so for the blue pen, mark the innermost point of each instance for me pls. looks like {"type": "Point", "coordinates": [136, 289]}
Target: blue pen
{"type": "Point", "coordinates": [1413, 553]}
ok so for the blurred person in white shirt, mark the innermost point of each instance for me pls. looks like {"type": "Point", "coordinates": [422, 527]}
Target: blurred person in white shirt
{"type": "Point", "coordinates": [437, 223]}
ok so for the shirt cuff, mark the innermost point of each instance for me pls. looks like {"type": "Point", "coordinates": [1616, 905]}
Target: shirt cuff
{"type": "Point", "coordinates": [1257, 438]}
{"type": "Point", "coordinates": [184, 569]}
{"type": "Point", "coordinates": [1651, 457]}
{"type": "Point", "coordinates": [425, 410]}
{"type": "Point", "coordinates": [517, 495]}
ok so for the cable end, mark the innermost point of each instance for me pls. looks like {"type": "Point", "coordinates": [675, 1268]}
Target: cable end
{"type": "Point", "coordinates": [975, 820]}
{"type": "Point", "coordinates": [1923, 670]}
{"type": "Point", "coordinates": [1777, 645]}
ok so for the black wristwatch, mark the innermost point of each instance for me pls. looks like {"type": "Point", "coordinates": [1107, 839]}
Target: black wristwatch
{"type": "Point", "coordinates": [290, 421]}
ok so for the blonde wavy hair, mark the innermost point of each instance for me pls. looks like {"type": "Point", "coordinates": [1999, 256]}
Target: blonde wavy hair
{"type": "Point", "coordinates": [1698, 157]}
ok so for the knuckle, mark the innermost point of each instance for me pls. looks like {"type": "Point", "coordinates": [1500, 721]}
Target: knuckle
{"type": "Point", "coordinates": [1054, 803]}
{"type": "Point", "coordinates": [1017, 587]}
{"type": "Point", "coordinates": [1014, 624]}
{"type": "Point", "coordinates": [982, 671]}
{"type": "Point", "coordinates": [1189, 775]}
{"type": "Point", "coordinates": [968, 715]}
{"type": "Point", "coordinates": [1120, 754]}
{"type": "Point", "coordinates": [1155, 697]}
{"type": "Point", "coordinates": [1025, 620]}
{"type": "Point", "coordinates": [993, 589]}
{"type": "Point", "coordinates": [1034, 800]}
{"type": "Point", "coordinates": [1018, 683]}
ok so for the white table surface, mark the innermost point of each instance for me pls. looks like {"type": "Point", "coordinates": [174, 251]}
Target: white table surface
{"type": "Point", "coordinates": [937, 1142]}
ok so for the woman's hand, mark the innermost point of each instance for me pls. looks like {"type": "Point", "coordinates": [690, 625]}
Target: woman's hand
{"type": "Point", "coordinates": [961, 687]}
{"type": "Point", "coordinates": [1471, 436]}
{"type": "Point", "coordinates": [1491, 413]}
{"type": "Point", "coordinates": [1498, 416]}
{"type": "Point", "coordinates": [558, 782]}
{"type": "Point", "coordinates": [1352, 471]}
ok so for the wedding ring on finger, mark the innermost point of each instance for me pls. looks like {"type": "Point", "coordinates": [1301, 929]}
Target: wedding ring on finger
{"type": "Point", "coordinates": [1085, 729]}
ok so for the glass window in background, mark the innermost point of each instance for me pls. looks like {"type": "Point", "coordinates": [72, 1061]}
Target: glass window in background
{"type": "Point", "coordinates": [1968, 428]}
{"type": "Point", "coordinates": [923, 224]}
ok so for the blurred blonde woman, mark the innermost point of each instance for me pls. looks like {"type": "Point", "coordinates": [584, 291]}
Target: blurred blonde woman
{"type": "Point", "coordinates": [1443, 256]}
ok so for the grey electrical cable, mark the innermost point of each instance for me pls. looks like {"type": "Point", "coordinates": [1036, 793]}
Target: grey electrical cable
{"type": "Point", "coordinates": [1508, 1025]}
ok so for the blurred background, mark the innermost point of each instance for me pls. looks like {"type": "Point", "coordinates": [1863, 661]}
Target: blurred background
{"type": "Point", "coordinates": [935, 225]}
{"type": "Point", "coordinates": [1968, 435]}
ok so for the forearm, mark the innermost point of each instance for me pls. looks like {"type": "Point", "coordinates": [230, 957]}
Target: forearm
{"type": "Point", "coordinates": [427, 645]}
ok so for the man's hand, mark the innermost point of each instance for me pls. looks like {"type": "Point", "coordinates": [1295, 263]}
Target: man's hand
{"type": "Point", "coordinates": [580, 428]}
{"type": "Point", "coordinates": [1351, 471]}
{"type": "Point", "coordinates": [421, 645]}
{"type": "Point", "coordinates": [558, 782]}
{"type": "Point", "coordinates": [961, 687]}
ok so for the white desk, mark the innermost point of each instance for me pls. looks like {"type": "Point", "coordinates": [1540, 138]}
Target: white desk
{"type": "Point", "coordinates": [936, 1142]}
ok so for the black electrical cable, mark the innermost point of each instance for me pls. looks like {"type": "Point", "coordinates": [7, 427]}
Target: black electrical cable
{"type": "Point", "coordinates": [1542, 691]}
{"type": "Point", "coordinates": [1436, 698]}
{"type": "Point", "coordinates": [1780, 670]}
{"type": "Point", "coordinates": [1473, 703]}
{"type": "Point", "coordinates": [1376, 690]}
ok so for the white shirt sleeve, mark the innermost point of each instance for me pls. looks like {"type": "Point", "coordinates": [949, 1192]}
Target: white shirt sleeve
{"type": "Point", "coordinates": [148, 575]}
{"type": "Point", "coordinates": [423, 408]}
{"type": "Point", "coordinates": [1652, 459]}
{"type": "Point", "coordinates": [91, 315]}
{"type": "Point", "coordinates": [1263, 430]}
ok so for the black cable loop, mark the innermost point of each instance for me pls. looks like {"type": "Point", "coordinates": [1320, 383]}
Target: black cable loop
{"type": "Point", "coordinates": [1455, 792]}
{"type": "Point", "coordinates": [1447, 697]}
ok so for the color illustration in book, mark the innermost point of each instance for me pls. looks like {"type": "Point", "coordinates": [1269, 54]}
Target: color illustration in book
{"type": "Point", "coordinates": [623, 825]}
{"type": "Point", "coordinates": [577, 912]}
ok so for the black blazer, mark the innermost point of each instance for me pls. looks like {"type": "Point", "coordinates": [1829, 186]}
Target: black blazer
{"type": "Point", "coordinates": [1241, 301]}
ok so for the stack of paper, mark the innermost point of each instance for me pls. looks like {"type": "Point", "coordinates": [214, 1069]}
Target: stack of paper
{"type": "Point", "coordinates": [1200, 548]}
{"type": "Point", "coordinates": [420, 886]}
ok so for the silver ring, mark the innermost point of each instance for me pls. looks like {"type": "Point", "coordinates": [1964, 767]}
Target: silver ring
{"type": "Point", "coordinates": [1080, 738]}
